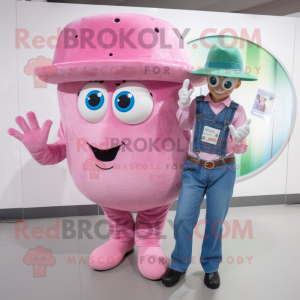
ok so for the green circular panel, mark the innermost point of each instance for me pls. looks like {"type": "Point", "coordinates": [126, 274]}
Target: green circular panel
{"type": "Point", "coordinates": [272, 112]}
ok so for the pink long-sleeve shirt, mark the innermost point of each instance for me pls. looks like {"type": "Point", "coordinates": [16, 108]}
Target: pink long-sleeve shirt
{"type": "Point", "coordinates": [187, 117]}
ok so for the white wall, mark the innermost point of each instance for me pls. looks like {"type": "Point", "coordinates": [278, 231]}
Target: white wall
{"type": "Point", "coordinates": [10, 157]}
{"type": "Point", "coordinates": [52, 185]}
{"type": "Point", "coordinates": [293, 186]}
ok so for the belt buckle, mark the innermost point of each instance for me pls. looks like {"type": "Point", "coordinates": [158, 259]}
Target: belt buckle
{"type": "Point", "coordinates": [207, 163]}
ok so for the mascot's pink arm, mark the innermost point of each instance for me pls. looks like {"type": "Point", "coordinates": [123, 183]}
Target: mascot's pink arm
{"type": "Point", "coordinates": [53, 154]}
{"type": "Point", "coordinates": [35, 139]}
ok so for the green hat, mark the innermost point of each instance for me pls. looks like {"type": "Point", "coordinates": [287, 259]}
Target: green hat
{"type": "Point", "coordinates": [226, 63]}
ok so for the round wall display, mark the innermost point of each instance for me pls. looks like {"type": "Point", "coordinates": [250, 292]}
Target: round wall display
{"type": "Point", "coordinates": [270, 101]}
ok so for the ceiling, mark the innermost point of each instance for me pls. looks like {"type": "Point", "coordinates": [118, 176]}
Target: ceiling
{"type": "Point", "coordinates": [259, 7]}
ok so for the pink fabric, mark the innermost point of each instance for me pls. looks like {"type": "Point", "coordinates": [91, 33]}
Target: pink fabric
{"type": "Point", "coordinates": [120, 224]}
{"type": "Point", "coordinates": [152, 262]}
{"type": "Point", "coordinates": [147, 230]}
{"type": "Point", "coordinates": [147, 180]}
{"type": "Point", "coordinates": [187, 116]}
{"type": "Point", "coordinates": [34, 138]}
{"type": "Point", "coordinates": [110, 254]}
{"type": "Point", "coordinates": [149, 226]}
{"type": "Point", "coordinates": [52, 154]}
{"type": "Point", "coordinates": [130, 49]}
{"type": "Point", "coordinates": [140, 179]}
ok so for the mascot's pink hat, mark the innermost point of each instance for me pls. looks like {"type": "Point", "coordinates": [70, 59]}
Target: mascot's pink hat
{"type": "Point", "coordinates": [119, 46]}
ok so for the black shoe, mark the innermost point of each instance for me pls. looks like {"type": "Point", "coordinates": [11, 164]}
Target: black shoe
{"type": "Point", "coordinates": [212, 280]}
{"type": "Point", "coordinates": [171, 277]}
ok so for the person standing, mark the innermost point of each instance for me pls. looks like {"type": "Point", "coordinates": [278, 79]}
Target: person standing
{"type": "Point", "coordinates": [220, 128]}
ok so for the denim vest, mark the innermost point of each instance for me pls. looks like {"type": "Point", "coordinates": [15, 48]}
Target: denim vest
{"type": "Point", "coordinates": [206, 117]}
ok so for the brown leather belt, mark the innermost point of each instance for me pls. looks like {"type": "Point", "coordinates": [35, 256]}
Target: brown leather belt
{"type": "Point", "coordinates": [211, 164]}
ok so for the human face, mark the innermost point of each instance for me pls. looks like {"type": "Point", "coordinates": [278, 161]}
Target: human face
{"type": "Point", "coordinates": [221, 87]}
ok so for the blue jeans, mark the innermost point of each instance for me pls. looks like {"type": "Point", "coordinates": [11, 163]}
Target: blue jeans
{"type": "Point", "coordinates": [218, 185]}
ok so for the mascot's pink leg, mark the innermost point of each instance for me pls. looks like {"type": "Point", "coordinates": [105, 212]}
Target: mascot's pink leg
{"type": "Point", "coordinates": [152, 261]}
{"type": "Point", "coordinates": [121, 230]}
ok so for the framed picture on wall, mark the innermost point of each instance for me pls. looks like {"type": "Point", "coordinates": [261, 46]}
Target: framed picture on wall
{"type": "Point", "coordinates": [263, 104]}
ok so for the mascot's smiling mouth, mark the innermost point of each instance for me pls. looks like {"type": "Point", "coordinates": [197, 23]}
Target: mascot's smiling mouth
{"type": "Point", "coordinates": [106, 155]}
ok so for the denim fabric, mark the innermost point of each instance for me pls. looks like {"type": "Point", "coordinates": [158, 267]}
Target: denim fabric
{"type": "Point", "coordinates": [218, 185]}
{"type": "Point", "coordinates": [206, 117]}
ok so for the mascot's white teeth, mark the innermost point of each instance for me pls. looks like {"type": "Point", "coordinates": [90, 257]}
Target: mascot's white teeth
{"type": "Point", "coordinates": [219, 93]}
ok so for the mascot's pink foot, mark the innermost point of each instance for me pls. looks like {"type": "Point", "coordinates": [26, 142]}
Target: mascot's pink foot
{"type": "Point", "coordinates": [110, 254]}
{"type": "Point", "coordinates": [152, 262]}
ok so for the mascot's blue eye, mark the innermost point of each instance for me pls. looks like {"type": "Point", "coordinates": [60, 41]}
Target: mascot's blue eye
{"type": "Point", "coordinates": [94, 100]}
{"type": "Point", "coordinates": [124, 101]}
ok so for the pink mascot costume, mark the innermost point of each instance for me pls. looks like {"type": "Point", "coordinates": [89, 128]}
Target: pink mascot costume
{"type": "Point", "coordinates": [118, 78]}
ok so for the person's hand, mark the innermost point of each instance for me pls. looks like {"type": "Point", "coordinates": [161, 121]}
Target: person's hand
{"type": "Point", "coordinates": [34, 137]}
{"type": "Point", "coordinates": [185, 94]}
{"type": "Point", "coordinates": [241, 132]}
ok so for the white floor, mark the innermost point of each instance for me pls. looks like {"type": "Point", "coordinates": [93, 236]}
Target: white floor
{"type": "Point", "coordinates": [265, 266]}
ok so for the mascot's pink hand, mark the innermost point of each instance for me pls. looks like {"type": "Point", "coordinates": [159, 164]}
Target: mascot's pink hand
{"type": "Point", "coordinates": [34, 137]}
